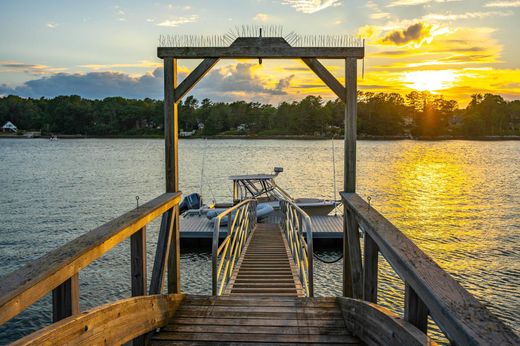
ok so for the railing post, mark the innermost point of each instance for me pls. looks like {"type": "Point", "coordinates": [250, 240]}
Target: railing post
{"type": "Point", "coordinates": [214, 257]}
{"type": "Point", "coordinates": [65, 299]}
{"type": "Point", "coordinates": [138, 271]}
{"type": "Point", "coordinates": [415, 311]}
{"type": "Point", "coordinates": [138, 262]}
{"type": "Point", "coordinates": [354, 251]}
{"type": "Point", "coordinates": [370, 269]}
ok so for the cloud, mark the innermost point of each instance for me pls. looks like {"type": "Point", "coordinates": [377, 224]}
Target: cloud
{"type": "Point", "coordinates": [467, 15]}
{"type": "Point", "coordinates": [311, 6]}
{"type": "Point", "coordinates": [238, 81]}
{"type": "Point", "coordinates": [261, 17]}
{"type": "Point", "coordinates": [119, 14]}
{"type": "Point", "coordinates": [52, 25]}
{"type": "Point", "coordinates": [415, 33]}
{"type": "Point", "coordinates": [376, 11]}
{"type": "Point", "coordinates": [414, 2]}
{"type": "Point", "coordinates": [34, 69]}
{"type": "Point", "coordinates": [179, 21]}
{"type": "Point", "coordinates": [503, 4]}
{"type": "Point", "coordinates": [142, 63]}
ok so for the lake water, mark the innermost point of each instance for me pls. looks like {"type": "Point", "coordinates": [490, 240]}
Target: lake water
{"type": "Point", "coordinates": [458, 200]}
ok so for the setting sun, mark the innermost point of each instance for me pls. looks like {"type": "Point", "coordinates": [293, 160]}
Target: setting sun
{"type": "Point", "coordinates": [430, 80]}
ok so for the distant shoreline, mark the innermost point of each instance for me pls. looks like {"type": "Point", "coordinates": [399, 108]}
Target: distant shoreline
{"type": "Point", "coordinates": [286, 137]}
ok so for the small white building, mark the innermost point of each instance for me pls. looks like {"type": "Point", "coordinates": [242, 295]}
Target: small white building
{"type": "Point", "coordinates": [9, 127]}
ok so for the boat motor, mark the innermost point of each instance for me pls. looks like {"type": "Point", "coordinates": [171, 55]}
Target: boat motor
{"type": "Point", "coordinates": [192, 201]}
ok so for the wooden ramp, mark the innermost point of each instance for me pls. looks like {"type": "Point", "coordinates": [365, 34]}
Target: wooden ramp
{"type": "Point", "coordinates": [266, 266]}
{"type": "Point", "coordinates": [236, 320]}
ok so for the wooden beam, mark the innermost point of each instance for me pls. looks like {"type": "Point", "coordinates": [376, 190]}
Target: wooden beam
{"type": "Point", "coordinates": [110, 324]}
{"type": "Point", "coordinates": [415, 311]}
{"type": "Point", "coordinates": [138, 262]}
{"type": "Point", "coordinates": [463, 319]}
{"type": "Point", "coordinates": [171, 136]}
{"type": "Point", "coordinates": [356, 268]}
{"type": "Point", "coordinates": [161, 254]}
{"type": "Point", "coordinates": [370, 268]}
{"type": "Point", "coordinates": [376, 325]}
{"type": "Point", "coordinates": [349, 178]}
{"type": "Point", "coordinates": [194, 77]}
{"type": "Point", "coordinates": [28, 284]}
{"type": "Point", "coordinates": [264, 52]}
{"type": "Point", "coordinates": [327, 77]}
{"type": "Point", "coordinates": [65, 299]}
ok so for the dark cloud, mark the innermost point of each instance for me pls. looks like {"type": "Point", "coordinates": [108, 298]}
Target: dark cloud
{"type": "Point", "coordinates": [414, 33]}
{"type": "Point", "coordinates": [219, 84]}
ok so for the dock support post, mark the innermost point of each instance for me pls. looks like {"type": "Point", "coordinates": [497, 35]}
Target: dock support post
{"type": "Point", "coordinates": [65, 299]}
{"type": "Point", "coordinates": [370, 269]}
{"type": "Point", "coordinates": [171, 140]}
{"type": "Point", "coordinates": [415, 311]}
{"type": "Point", "coordinates": [138, 271]}
{"type": "Point", "coordinates": [352, 279]}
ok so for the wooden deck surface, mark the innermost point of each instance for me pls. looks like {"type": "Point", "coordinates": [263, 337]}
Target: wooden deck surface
{"type": "Point", "coordinates": [326, 227]}
{"type": "Point", "coordinates": [266, 266]}
{"type": "Point", "coordinates": [256, 320]}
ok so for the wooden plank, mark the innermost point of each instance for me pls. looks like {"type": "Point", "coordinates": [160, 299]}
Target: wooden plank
{"type": "Point", "coordinates": [109, 324]}
{"type": "Point", "coordinates": [370, 270]}
{"type": "Point", "coordinates": [194, 77]}
{"type": "Point", "coordinates": [258, 338]}
{"type": "Point", "coordinates": [261, 322]}
{"type": "Point", "coordinates": [265, 52]}
{"type": "Point", "coordinates": [280, 330]}
{"type": "Point", "coordinates": [171, 141]}
{"type": "Point", "coordinates": [415, 311]}
{"type": "Point", "coordinates": [65, 299]}
{"type": "Point", "coordinates": [459, 315]}
{"type": "Point", "coordinates": [327, 77]}
{"type": "Point", "coordinates": [161, 253]}
{"type": "Point", "coordinates": [356, 268]}
{"type": "Point", "coordinates": [28, 284]}
{"type": "Point", "coordinates": [376, 325]}
{"type": "Point", "coordinates": [138, 262]}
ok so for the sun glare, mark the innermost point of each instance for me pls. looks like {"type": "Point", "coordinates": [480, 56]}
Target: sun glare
{"type": "Point", "coordinates": [430, 80]}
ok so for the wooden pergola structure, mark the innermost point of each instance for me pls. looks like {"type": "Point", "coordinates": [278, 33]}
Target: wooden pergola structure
{"type": "Point", "coordinates": [266, 48]}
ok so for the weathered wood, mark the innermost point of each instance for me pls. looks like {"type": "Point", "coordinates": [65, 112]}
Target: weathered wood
{"type": "Point", "coordinates": [194, 77]}
{"type": "Point", "coordinates": [28, 284]}
{"type": "Point", "coordinates": [161, 253]}
{"type": "Point", "coordinates": [370, 268]}
{"type": "Point", "coordinates": [265, 52]}
{"type": "Point", "coordinates": [376, 325]}
{"type": "Point", "coordinates": [354, 255]}
{"type": "Point", "coordinates": [415, 311]}
{"type": "Point", "coordinates": [138, 262]}
{"type": "Point", "coordinates": [171, 140]}
{"type": "Point", "coordinates": [349, 178]}
{"type": "Point", "coordinates": [110, 324]}
{"type": "Point", "coordinates": [463, 319]}
{"type": "Point", "coordinates": [327, 77]}
{"type": "Point", "coordinates": [65, 299]}
{"type": "Point", "coordinates": [174, 257]}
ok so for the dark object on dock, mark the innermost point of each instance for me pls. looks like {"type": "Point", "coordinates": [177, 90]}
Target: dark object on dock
{"type": "Point", "coordinates": [192, 201]}
{"type": "Point", "coordinates": [263, 316]}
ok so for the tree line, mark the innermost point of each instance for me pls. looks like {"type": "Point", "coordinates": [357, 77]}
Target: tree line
{"type": "Point", "coordinates": [417, 114]}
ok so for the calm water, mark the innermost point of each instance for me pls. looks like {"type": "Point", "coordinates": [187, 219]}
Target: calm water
{"type": "Point", "coordinates": [458, 200]}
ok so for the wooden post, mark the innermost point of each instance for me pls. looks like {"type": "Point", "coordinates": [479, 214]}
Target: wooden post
{"type": "Point", "coordinates": [65, 299]}
{"type": "Point", "coordinates": [162, 253]}
{"type": "Point", "coordinates": [415, 311]}
{"type": "Point", "coordinates": [171, 140]}
{"type": "Point", "coordinates": [138, 262]}
{"type": "Point", "coordinates": [370, 269]}
{"type": "Point", "coordinates": [138, 271]}
{"type": "Point", "coordinates": [349, 179]}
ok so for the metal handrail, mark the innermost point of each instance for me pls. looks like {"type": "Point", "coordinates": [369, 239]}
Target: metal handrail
{"type": "Point", "coordinates": [241, 222]}
{"type": "Point", "coordinates": [294, 222]}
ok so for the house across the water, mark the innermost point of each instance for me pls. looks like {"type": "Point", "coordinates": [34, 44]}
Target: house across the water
{"type": "Point", "coordinates": [9, 127]}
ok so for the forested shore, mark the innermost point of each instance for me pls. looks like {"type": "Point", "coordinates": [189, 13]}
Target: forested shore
{"type": "Point", "coordinates": [380, 115]}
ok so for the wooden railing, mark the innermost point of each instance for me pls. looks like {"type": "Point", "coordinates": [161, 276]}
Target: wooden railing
{"type": "Point", "coordinates": [295, 223]}
{"type": "Point", "coordinates": [241, 220]}
{"type": "Point", "coordinates": [57, 271]}
{"type": "Point", "coordinates": [429, 290]}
